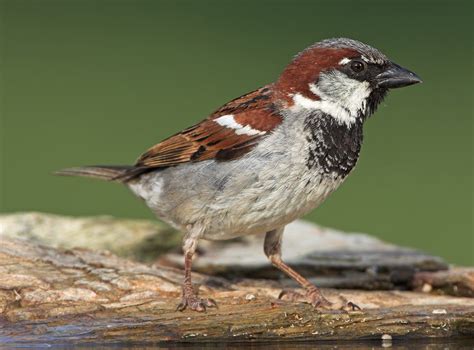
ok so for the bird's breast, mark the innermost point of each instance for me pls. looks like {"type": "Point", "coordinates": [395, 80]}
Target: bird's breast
{"type": "Point", "coordinates": [332, 147]}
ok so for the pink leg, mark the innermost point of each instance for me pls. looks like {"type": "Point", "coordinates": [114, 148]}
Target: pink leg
{"type": "Point", "coordinates": [190, 298]}
{"type": "Point", "coordinates": [272, 248]}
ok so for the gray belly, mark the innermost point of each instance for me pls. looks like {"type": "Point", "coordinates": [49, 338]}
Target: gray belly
{"type": "Point", "coordinates": [235, 198]}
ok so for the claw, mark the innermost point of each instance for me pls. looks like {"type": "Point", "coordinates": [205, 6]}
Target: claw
{"type": "Point", "coordinates": [289, 293]}
{"type": "Point", "coordinates": [354, 307]}
{"type": "Point", "coordinates": [181, 306]}
{"type": "Point", "coordinates": [315, 298]}
{"type": "Point", "coordinates": [212, 303]}
{"type": "Point", "coordinates": [195, 303]}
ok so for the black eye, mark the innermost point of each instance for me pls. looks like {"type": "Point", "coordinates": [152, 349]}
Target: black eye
{"type": "Point", "coordinates": [357, 66]}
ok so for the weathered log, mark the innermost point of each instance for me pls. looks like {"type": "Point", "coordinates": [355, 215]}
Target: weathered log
{"type": "Point", "coordinates": [331, 258]}
{"type": "Point", "coordinates": [141, 240]}
{"type": "Point", "coordinates": [51, 296]}
{"type": "Point", "coordinates": [457, 281]}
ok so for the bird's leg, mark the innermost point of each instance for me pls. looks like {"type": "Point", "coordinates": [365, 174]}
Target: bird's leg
{"type": "Point", "coordinates": [190, 297]}
{"type": "Point", "coordinates": [272, 248]}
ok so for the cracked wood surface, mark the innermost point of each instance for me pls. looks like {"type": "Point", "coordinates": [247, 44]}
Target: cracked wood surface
{"type": "Point", "coordinates": [79, 296]}
{"type": "Point", "coordinates": [330, 258]}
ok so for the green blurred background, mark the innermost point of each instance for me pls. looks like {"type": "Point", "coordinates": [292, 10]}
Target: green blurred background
{"type": "Point", "coordinates": [97, 82]}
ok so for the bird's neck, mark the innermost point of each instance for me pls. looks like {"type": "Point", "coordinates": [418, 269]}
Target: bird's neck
{"type": "Point", "coordinates": [345, 104]}
{"type": "Point", "coordinates": [333, 147]}
{"type": "Point", "coordinates": [339, 112]}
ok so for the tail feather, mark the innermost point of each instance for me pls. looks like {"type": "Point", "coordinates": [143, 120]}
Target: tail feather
{"type": "Point", "coordinates": [120, 173]}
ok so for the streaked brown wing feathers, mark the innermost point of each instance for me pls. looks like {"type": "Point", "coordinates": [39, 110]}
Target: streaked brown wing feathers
{"type": "Point", "coordinates": [208, 139]}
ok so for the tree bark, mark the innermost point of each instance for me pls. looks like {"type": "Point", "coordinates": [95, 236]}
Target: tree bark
{"type": "Point", "coordinates": [79, 296]}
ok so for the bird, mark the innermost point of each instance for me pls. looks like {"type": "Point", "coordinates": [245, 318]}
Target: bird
{"type": "Point", "coordinates": [265, 158]}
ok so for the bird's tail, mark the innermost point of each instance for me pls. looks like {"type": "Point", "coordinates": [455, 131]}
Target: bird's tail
{"type": "Point", "coordinates": [119, 173]}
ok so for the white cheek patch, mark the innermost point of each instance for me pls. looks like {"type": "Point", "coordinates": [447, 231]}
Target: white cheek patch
{"type": "Point", "coordinates": [333, 109]}
{"type": "Point", "coordinates": [343, 98]}
{"type": "Point", "coordinates": [228, 121]}
{"type": "Point", "coordinates": [349, 94]}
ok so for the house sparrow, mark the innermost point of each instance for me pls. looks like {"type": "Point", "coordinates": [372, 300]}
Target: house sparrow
{"type": "Point", "coordinates": [266, 158]}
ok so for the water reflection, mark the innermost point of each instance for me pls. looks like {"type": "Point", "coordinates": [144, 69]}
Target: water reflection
{"type": "Point", "coordinates": [444, 344]}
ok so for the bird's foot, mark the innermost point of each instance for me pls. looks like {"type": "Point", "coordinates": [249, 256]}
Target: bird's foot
{"type": "Point", "coordinates": [314, 297]}
{"type": "Point", "coordinates": [195, 303]}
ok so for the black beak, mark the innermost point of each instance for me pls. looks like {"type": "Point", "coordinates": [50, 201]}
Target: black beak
{"type": "Point", "coordinates": [396, 76]}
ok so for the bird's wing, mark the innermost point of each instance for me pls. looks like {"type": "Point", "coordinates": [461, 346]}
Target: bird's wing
{"type": "Point", "coordinates": [228, 133]}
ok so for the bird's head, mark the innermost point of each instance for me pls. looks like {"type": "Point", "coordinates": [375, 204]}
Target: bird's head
{"type": "Point", "coordinates": [341, 77]}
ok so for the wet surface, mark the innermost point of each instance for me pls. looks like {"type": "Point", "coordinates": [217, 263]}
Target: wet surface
{"type": "Point", "coordinates": [398, 344]}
